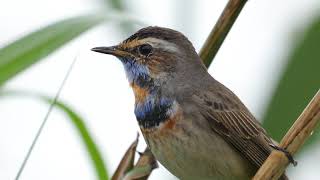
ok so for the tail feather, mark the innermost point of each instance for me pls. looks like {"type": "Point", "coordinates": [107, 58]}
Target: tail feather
{"type": "Point", "coordinates": [284, 177]}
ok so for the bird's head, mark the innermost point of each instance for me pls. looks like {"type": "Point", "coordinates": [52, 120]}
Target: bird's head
{"type": "Point", "coordinates": [155, 55]}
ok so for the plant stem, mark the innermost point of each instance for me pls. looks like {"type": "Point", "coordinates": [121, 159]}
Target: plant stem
{"type": "Point", "coordinates": [220, 30]}
{"type": "Point", "coordinates": [127, 161]}
{"type": "Point", "coordinates": [300, 131]}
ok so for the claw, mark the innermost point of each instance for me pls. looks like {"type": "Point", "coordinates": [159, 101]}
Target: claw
{"type": "Point", "coordinates": [289, 156]}
{"type": "Point", "coordinates": [140, 153]}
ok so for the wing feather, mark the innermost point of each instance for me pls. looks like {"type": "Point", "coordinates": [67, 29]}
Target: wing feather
{"type": "Point", "coordinates": [238, 127]}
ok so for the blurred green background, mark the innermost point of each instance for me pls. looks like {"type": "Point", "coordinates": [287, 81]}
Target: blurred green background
{"type": "Point", "coordinates": [270, 59]}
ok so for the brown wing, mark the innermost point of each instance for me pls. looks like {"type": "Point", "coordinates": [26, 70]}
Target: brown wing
{"type": "Point", "coordinates": [238, 127]}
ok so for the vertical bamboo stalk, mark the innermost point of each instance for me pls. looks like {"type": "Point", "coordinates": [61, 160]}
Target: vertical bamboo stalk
{"type": "Point", "coordinates": [300, 131]}
{"type": "Point", "coordinates": [221, 30]}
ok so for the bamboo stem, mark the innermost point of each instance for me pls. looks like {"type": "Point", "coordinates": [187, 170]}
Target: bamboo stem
{"type": "Point", "coordinates": [220, 30]}
{"type": "Point", "coordinates": [300, 131]}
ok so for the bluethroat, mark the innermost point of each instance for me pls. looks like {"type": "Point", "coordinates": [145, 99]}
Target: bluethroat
{"type": "Point", "coordinates": [195, 126]}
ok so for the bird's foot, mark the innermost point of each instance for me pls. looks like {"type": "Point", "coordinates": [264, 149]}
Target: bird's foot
{"type": "Point", "coordinates": [289, 156]}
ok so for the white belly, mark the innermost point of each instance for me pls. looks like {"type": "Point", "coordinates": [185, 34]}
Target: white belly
{"type": "Point", "coordinates": [197, 154]}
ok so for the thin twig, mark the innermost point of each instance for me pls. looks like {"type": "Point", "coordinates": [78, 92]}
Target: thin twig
{"type": "Point", "coordinates": [141, 170]}
{"type": "Point", "coordinates": [45, 119]}
{"type": "Point", "coordinates": [300, 131]}
{"type": "Point", "coordinates": [127, 161]}
{"type": "Point", "coordinates": [221, 30]}
{"type": "Point", "coordinates": [144, 167]}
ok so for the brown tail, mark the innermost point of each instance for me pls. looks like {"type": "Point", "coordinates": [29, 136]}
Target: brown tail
{"type": "Point", "coordinates": [284, 177]}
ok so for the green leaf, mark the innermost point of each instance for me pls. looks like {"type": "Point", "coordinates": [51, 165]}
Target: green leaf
{"type": "Point", "coordinates": [126, 27]}
{"type": "Point", "coordinates": [79, 124]}
{"type": "Point", "coordinates": [116, 4]}
{"type": "Point", "coordinates": [30, 49]}
{"type": "Point", "coordinates": [92, 148]}
{"type": "Point", "coordinates": [298, 84]}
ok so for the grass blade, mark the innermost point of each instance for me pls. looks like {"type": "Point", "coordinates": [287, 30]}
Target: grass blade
{"type": "Point", "coordinates": [79, 124]}
{"type": "Point", "coordinates": [91, 146]}
{"type": "Point", "coordinates": [30, 49]}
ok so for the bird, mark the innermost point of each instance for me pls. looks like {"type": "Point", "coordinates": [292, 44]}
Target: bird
{"type": "Point", "coordinates": [195, 126]}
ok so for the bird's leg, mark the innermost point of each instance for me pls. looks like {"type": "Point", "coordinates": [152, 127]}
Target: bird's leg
{"type": "Point", "coordinates": [289, 156]}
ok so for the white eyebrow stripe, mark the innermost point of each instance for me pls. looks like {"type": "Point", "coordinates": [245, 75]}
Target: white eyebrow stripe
{"type": "Point", "coordinates": [162, 44]}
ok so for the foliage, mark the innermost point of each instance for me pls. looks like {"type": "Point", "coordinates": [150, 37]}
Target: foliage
{"type": "Point", "coordinates": [297, 85]}
{"type": "Point", "coordinates": [80, 126]}
{"type": "Point", "coordinates": [32, 48]}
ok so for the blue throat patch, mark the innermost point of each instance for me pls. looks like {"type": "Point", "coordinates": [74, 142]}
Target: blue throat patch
{"type": "Point", "coordinates": [136, 72]}
{"type": "Point", "coordinates": [152, 111]}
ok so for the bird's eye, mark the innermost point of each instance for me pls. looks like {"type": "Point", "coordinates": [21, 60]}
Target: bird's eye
{"type": "Point", "coordinates": [145, 49]}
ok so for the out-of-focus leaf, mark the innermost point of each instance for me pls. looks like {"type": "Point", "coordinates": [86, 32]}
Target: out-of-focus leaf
{"type": "Point", "coordinates": [79, 124]}
{"type": "Point", "coordinates": [30, 49]}
{"type": "Point", "coordinates": [117, 4]}
{"type": "Point", "coordinates": [127, 161]}
{"type": "Point", "coordinates": [126, 27]}
{"type": "Point", "coordinates": [299, 82]}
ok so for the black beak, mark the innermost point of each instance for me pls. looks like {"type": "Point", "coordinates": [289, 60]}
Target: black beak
{"type": "Point", "coordinates": [113, 50]}
{"type": "Point", "coordinates": [105, 50]}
